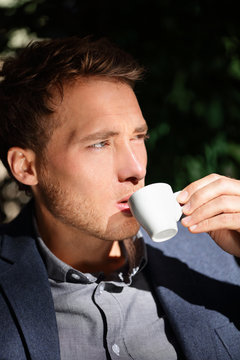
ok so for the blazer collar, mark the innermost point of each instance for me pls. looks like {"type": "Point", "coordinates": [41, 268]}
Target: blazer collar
{"type": "Point", "coordinates": [188, 320]}
{"type": "Point", "coordinates": [24, 281]}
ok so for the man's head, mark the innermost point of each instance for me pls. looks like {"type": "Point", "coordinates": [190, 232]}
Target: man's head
{"type": "Point", "coordinates": [72, 130]}
{"type": "Point", "coordinates": [32, 85]}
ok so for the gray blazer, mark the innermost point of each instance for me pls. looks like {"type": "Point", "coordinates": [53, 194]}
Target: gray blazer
{"type": "Point", "coordinates": [196, 283]}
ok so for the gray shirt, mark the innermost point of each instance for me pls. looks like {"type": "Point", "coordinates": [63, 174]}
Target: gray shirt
{"type": "Point", "coordinates": [107, 318]}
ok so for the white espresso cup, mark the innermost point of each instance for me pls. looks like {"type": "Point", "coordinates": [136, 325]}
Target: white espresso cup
{"type": "Point", "coordinates": [156, 209]}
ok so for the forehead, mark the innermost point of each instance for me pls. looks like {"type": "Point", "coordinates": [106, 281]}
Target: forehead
{"type": "Point", "coordinates": [98, 102]}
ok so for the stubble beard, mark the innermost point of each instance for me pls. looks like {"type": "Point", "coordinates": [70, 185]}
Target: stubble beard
{"type": "Point", "coordinates": [82, 214]}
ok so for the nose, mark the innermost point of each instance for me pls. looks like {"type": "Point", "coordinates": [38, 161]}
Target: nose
{"type": "Point", "coordinates": [132, 163]}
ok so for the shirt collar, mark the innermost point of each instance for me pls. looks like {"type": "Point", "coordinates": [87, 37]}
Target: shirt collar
{"type": "Point", "coordinates": [136, 259]}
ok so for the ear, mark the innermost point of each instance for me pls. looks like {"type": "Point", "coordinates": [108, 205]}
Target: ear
{"type": "Point", "coordinates": [22, 163]}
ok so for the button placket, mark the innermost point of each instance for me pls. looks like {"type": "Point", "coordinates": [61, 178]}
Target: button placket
{"type": "Point", "coordinates": [109, 305]}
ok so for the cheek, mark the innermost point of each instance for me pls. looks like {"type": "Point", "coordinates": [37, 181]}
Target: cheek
{"type": "Point", "coordinates": [98, 171]}
{"type": "Point", "coordinates": [93, 177]}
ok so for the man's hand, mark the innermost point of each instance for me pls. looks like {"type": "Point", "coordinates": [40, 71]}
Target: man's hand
{"type": "Point", "coordinates": [212, 205]}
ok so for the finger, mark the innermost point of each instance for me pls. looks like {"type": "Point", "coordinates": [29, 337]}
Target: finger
{"type": "Point", "coordinates": [217, 206]}
{"type": "Point", "coordinates": [228, 241]}
{"type": "Point", "coordinates": [219, 222]}
{"type": "Point", "coordinates": [189, 190]}
{"type": "Point", "coordinates": [221, 186]}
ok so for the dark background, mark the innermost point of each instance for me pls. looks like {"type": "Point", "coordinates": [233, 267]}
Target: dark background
{"type": "Point", "coordinates": [190, 96]}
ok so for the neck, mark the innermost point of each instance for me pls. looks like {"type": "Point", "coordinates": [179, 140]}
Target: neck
{"type": "Point", "coordinates": [81, 251]}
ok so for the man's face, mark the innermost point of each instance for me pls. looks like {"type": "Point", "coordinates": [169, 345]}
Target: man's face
{"type": "Point", "coordinates": [95, 160]}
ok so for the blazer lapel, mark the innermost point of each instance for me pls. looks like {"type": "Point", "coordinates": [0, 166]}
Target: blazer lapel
{"type": "Point", "coordinates": [26, 287]}
{"type": "Point", "coordinates": [188, 320]}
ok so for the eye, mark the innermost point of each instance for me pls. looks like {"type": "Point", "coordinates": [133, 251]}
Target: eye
{"type": "Point", "coordinates": [146, 137]}
{"type": "Point", "coordinates": [142, 137]}
{"type": "Point", "coordinates": [99, 145]}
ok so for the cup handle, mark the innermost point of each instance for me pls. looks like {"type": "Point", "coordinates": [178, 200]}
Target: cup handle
{"type": "Point", "coordinates": [178, 206]}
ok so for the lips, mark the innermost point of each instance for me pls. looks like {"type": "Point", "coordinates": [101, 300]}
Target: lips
{"type": "Point", "coordinates": [123, 206]}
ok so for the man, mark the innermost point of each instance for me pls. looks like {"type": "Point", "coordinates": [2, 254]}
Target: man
{"type": "Point", "coordinates": [78, 279]}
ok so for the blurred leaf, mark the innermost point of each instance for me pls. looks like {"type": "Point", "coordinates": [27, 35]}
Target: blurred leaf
{"type": "Point", "coordinates": [234, 68]}
{"type": "Point", "coordinates": [180, 95]}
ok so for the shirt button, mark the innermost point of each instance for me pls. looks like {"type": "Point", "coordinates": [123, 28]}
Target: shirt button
{"type": "Point", "coordinates": [115, 349]}
{"type": "Point", "coordinates": [75, 276]}
{"type": "Point", "coordinates": [101, 288]}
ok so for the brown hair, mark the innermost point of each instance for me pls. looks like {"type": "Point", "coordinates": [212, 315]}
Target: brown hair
{"type": "Point", "coordinates": [28, 81]}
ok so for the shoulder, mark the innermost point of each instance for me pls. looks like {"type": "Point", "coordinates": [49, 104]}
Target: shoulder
{"type": "Point", "coordinates": [197, 252]}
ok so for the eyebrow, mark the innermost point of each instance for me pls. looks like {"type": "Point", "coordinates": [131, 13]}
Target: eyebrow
{"type": "Point", "coordinates": [100, 135]}
{"type": "Point", "coordinates": [142, 128]}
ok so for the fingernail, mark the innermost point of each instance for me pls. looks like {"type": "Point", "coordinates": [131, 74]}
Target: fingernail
{"type": "Point", "coordinates": [186, 208]}
{"type": "Point", "coordinates": [182, 196]}
{"type": "Point", "coordinates": [186, 220]}
{"type": "Point", "coordinates": [193, 227]}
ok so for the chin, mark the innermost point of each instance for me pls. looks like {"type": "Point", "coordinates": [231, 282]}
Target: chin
{"type": "Point", "coordinates": [122, 231]}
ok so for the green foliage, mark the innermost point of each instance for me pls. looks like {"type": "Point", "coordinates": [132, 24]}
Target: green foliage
{"type": "Point", "coordinates": [190, 96]}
